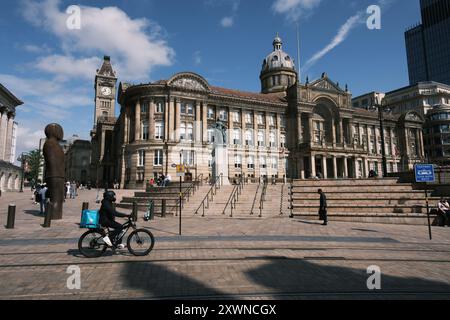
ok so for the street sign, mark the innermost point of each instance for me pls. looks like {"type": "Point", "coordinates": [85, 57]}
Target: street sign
{"type": "Point", "coordinates": [181, 169]}
{"type": "Point", "coordinates": [425, 173]}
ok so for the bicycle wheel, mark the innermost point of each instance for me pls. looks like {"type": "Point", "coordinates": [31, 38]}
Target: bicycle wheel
{"type": "Point", "coordinates": [140, 242]}
{"type": "Point", "coordinates": [91, 244]}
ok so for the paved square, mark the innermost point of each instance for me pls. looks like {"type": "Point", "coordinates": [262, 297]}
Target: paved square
{"type": "Point", "coordinates": [222, 257]}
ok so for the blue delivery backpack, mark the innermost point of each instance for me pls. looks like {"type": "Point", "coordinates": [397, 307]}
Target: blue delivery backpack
{"type": "Point", "coordinates": [90, 219]}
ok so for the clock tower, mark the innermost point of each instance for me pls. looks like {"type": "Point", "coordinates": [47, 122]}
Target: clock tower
{"type": "Point", "coordinates": [105, 92]}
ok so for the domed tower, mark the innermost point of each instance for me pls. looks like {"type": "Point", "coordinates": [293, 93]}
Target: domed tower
{"type": "Point", "coordinates": [278, 71]}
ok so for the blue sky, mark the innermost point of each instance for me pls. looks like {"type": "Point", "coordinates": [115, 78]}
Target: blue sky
{"type": "Point", "coordinates": [52, 68]}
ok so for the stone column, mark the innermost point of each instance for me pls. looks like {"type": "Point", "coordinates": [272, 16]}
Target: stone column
{"type": "Point", "coordinates": [171, 126]}
{"type": "Point", "coordinates": [313, 166]}
{"type": "Point", "coordinates": [310, 129]}
{"type": "Point", "coordinates": [267, 129]}
{"type": "Point", "coordinates": [137, 124]}
{"type": "Point", "coordinates": [166, 118]}
{"type": "Point", "coordinates": [299, 128]}
{"type": "Point", "coordinates": [244, 128]}
{"type": "Point", "coordinates": [198, 122]}
{"type": "Point", "coordinates": [324, 167]}
{"type": "Point", "coordinates": [278, 132]}
{"type": "Point", "coordinates": [230, 127]}
{"type": "Point", "coordinates": [3, 129]}
{"type": "Point", "coordinates": [255, 133]}
{"type": "Point", "coordinates": [341, 131]}
{"type": "Point", "coordinates": [9, 138]}
{"type": "Point", "coordinates": [422, 148]}
{"type": "Point", "coordinates": [346, 175]}
{"type": "Point", "coordinates": [393, 151]}
{"type": "Point", "coordinates": [151, 120]}
{"type": "Point", "coordinates": [333, 132]}
{"type": "Point", "coordinates": [335, 168]}
{"type": "Point", "coordinates": [366, 168]}
{"type": "Point", "coordinates": [205, 122]}
{"type": "Point", "coordinates": [177, 120]}
{"type": "Point", "coordinates": [360, 132]}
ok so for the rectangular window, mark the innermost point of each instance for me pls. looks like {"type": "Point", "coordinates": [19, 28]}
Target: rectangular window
{"type": "Point", "coordinates": [261, 140]}
{"type": "Point", "coordinates": [237, 137]}
{"type": "Point", "coordinates": [188, 157]}
{"type": "Point", "coordinates": [159, 131]}
{"type": "Point", "coordinates": [260, 119]}
{"type": "Point", "coordinates": [144, 107]}
{"type": "Point", "coordinates": [159, 107]}
{"type": "Point", "coordinates": [159, 158]}
{"type": "Point", "coordinates": [236, 116]}
{"type": "Point", "coordinates": [283, 121]}
{"type": "Point", "coordinates": [248, 118]}
{"type": "Point", "coordinates": [223, 115]}
{"type": "Point", "coordinates": [272, 121]}
{"type": "Point", "coordinates": [274, 163]}
{"type": "Point", "coordinates": [263, 163]}
{"type": "Point", "coordinates": [145, 131]}
{"type": "Point", "coordinates": [249, 138]}
{"type": "Point", "coordinates": [283, 141]}
{"type": "Point", "coordinates": [190, 132]}
{"type": "Point", "coordinates": [211, 136]}
{"type": "Point", "coordinates": [251, 162]}
{"type": "Point", "coordinates": [141, 158]}
{"type": "Point", "coordinates": [238, 161]}
{"type": "Point", "coordinates": [183, 131]}
{"type": "Point", "coordinates": [211, 113]}
{"type": "Point", "coordinates": [273, 141]}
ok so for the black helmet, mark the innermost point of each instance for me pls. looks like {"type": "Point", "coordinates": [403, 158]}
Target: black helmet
{"type": "Point", "coordinates": [110, 196]}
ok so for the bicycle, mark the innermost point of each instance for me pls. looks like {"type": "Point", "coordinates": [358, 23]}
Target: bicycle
{"type": "Point", "coordinates": [140, 242]}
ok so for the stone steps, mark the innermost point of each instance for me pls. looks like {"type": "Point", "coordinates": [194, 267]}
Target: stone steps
{"type": "Point", "coordinates": [339, 182]}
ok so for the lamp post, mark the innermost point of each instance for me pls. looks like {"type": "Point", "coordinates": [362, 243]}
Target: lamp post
{"type": "Point", "coordinates": [181, 196]}
{"type": "Point", "coordinates": [166, 149]}
{"type": "Point", "coordinates": [22, 160]}
{"type": "Point", "coordinates": [380, 107]}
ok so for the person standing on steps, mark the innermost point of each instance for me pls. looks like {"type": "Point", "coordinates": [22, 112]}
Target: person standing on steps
{"type": "Point", "coordinates": [323, 214]}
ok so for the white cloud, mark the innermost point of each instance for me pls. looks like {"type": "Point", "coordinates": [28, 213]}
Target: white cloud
{"type": "Point", "coordinates": [137, 45]}
{"type": "Point", "coordinates": [37, 49]}
{"type": "Point", "coordinates": [337, 40]}
{"type": "Point", "coordinates": [69, 66]}
{"type": "Point", "coordinates": [294, 9]}
{"type": "Point", "coordinates": [227, 22]}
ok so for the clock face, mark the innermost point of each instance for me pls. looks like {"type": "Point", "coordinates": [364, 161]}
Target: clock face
{"type": "Point", "coordinates": [106, 91]}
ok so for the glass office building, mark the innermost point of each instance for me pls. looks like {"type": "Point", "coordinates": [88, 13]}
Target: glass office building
{"type": "Point", "coordinates": [428, 44]}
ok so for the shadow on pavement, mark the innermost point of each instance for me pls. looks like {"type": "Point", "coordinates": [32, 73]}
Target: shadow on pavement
{"type": "Point", "coordinates": [35, 213]}
{"type": "Point", "coordinates": [296, 276]}
{"type": "Point", "coordinates": [160, 282]}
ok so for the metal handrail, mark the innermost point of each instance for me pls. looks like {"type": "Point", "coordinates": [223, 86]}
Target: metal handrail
{"type": "Point", "coordinates": [263, 198]}
{"type": "Point", "coordinates": [234, 197]}
{"type": "Point", "coordinates": [183, 195]}
{"type": "Point", "coordinates": [254, 200]}
{"type": "Point", "coordinates": [211, 191]}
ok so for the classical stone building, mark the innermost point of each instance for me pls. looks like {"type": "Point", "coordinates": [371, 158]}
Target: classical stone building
{"type": "Point", "coordinates": [10, 175]}
{"type": "Point", "coordinates": [288, 130]}
{"type": "Point", "coordinates": [78, 162]}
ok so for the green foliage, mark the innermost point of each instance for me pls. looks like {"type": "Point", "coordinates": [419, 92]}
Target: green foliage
{"type": "Point", "coordinates": [35, 160]}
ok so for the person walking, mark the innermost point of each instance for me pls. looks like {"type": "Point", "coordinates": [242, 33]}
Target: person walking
{"type": "Point", "coordinates": [323, 214]}
{"type": "Point", "coordinates": [444, 210]}
{"type": "Point", "coordinates": [43, 198]}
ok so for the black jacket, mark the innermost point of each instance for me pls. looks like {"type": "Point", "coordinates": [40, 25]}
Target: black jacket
{"type": "Point", "coordinates": [323, 201]}
{"type": "Point", "coordinates": [108, 213]}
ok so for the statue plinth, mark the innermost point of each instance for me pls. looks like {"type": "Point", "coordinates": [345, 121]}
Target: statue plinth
{"type": "Point", "coordinates": [220, 166]}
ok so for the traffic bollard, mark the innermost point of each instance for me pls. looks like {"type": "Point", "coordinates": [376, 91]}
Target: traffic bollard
{"type": "Point", "coordinates": [11, 216]}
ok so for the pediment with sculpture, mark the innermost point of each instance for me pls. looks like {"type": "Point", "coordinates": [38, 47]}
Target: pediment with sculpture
{"type": "Point", "coordinates": [189, 81]}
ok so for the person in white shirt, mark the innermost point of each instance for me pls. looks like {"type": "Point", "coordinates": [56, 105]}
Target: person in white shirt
{"type": "Point", "coordinates": [444, 209]}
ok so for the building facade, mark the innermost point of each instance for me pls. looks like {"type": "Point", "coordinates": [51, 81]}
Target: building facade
{"type": "Point", "coordinates": [10, 175]}
{"type": "Point", "coordinates": [78, 162]}
{"type": "Point", "coordinates": [288, 130]}
{"type": "Point", "coordinates": [428, 44]}
{"type": "Point", "coordinates": [437, 135]}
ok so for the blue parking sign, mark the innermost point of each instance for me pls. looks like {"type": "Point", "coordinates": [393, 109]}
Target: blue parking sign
{"type": "Point", "coordinates": [425, 173]}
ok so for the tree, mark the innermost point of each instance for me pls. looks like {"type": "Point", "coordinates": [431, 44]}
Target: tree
{"type": "Point", "coordinates": [35, 160]}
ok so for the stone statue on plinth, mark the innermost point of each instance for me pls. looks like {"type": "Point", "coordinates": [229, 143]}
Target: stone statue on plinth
{"type": "Point", "coordinates": [220, 151]}
{"type": "Point", "coordinates": [54, 170]}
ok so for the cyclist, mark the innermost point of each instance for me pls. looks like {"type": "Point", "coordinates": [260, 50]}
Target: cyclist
{"type": "Point", "coordinates": [107, 218]}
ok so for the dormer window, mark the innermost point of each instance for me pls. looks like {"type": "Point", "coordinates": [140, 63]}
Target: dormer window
{"type": "Point", "coordinates": [275, 58]}
{"type": "Point", "coordinates": [288, 58]}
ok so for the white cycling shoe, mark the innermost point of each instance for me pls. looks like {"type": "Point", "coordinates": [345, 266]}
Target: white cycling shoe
{"type": "Point", "coordinates": [107, 241]}
{"type": "Point", "coordinates": [121, 246]}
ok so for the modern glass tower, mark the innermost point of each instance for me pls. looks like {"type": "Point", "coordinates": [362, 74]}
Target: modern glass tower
{"type": "Point", "coordinates": [428, 44]}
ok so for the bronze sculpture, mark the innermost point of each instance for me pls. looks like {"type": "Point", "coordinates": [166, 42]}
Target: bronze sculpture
{"type": "Point", "coordinates": [54, 170]}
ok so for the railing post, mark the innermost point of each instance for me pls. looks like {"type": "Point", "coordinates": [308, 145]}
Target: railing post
{"type": "Point", "coordinates": [135, 211]}
{"type": "Point", "coordinates": [11, 216]}
{"type": "Point", "coordinates": [163, 208]}
{"type": "Point", "coordinates": [291, 201]}
{"type": "Point", "coordinates": [203, 209]}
